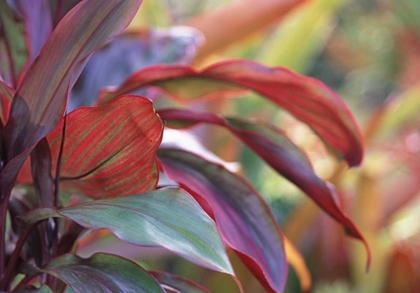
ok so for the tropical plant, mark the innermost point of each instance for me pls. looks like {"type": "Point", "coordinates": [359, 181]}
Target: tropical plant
{"type": "Point", "coordinates": [98, 166]}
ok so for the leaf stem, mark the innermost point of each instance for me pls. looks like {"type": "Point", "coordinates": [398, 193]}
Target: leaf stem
{"type": "Point", "coordinates": [5, 282]}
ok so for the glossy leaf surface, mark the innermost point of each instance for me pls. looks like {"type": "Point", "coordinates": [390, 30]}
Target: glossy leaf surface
{"type": "Point", "coordinates": [156, 218]}
{"type": "Point", "coordinates": [307, 99]}
{"type": "Point", "coordinates": [102, 273]}
{"type": "Point", "coordinates": [178, 283]}
{"type": "Point", "coordinates": [109, 150]}
{"type": "Point", "coordinates": [278, 151]}
{"type": "Point", "coordinates": [243, 218]}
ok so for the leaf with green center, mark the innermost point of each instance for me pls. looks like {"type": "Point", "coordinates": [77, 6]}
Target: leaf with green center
{"type": "Point", "coordinates": [178, 283]}
{"type": "Point", "coordinates": [169, 218]}
{"type": "Point", "coordinates": [275, 148]}
{"type": "Point", "coordinates": [102, 273]}
{"type": "Point", "coordinates": [242, 217]}
{"type": "Point", "coordinates": [306, 98]}
{"type": "Point", "coordinates": [109, 150]}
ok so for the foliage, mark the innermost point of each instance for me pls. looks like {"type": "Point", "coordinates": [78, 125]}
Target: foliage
{"type": "Point", "coordinates": [102, 165]}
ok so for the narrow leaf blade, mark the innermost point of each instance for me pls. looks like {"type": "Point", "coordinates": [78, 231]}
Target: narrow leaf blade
{"type": "Point", "coordinates": [307, 99]}
{"type": "Point", "coordinates": [102, 273]}
{"type": "Point", "coordinates": [275, 148]}
{"type": "Point", "coordinates": [243, 218]}
{"type": "Point", "coordinates": [109, 150]}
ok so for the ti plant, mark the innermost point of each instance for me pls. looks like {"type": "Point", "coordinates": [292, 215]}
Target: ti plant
{"type": "Point", "coordinates": [107, 155]}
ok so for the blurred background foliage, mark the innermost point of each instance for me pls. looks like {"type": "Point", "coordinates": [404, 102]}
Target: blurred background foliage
{"type": "Point", "coordinates": [369, 52]}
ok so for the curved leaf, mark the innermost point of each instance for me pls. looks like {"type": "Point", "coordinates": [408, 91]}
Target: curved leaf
{"type": "Point", "coordinates": [169, 218]}
{"type": "Point", "coordinates": [41, 97]}
{"type": "Point", "coordinates": [243, 218]}
{"type": "Point", "coordinates": [128, 53]}
{"type": "Point", "coordinates": [178, 283]}
{"type": "Point", "coordinates": [279, 152]}
{"type": "Point", "coordinates": [109, 150]}
{"type": "Point", "coordinates": [102, 273]}
{"type": "Point", "coordinates": [306, 98]}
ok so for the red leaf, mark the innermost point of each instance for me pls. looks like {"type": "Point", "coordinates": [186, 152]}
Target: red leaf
{"type": "Point", "coordinates": [6, 96]}
{"type": "Point", "coordinates": [109, 150]}
{"type": "Point", "coordinates": [307, 99]}
{"type": "Point", "coordinates": [41, 97]}
{"type": "Point", "coordinates": [243, 219]}
{"type": "Point", "coordinates": [280, 153]}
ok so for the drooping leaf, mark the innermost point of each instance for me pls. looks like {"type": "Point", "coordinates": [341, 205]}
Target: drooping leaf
{"type": "Point", "coordinates": [40, 99]}
{"type": "Point", "coordinates": [12, 41]}
{"type": "Point", "coordinates": [307, 99]}
{"type": "Point", "coordinates": [109, 150]}
{"type": "Point", "coordinates": [278, 151]}
{"type": "Point", "coordinates": [178, 283]}
{"type": "Point", "coordinates": [243, 218]}
{"type": "Point", "coordinates": [102, 273]}
{"type": "Point", "coordinates": [167, 217]}
{"type": "Point", "coordinates": [128, 53]}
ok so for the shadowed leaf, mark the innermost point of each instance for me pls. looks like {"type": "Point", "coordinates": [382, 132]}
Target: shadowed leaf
{"type": "Point", "coordinates": [307, 99]}
{"type": "Point", "coordinates": [109, 150]}
{"type": "Point", "coordinates": [152, 219]}
{"type": "Point", "coordinates": [278, 151]}
{"type": "Point", "coordinates": [178, 283]}
{"type": "Point", "coordinates": [243, 218]}
{"type": "Point", "coordinates": [102, 273]}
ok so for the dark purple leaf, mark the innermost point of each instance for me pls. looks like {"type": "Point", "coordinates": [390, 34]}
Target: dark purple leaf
{"type": "Point", "coordinates": [273, 146]}
{"type": "Point", "coordinates": [102, 273]}
{"type": "Point", "coordinates": [243, 218]}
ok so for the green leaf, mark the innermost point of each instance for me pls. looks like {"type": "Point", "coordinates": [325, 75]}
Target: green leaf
{"type": "Point", "coordinates": [102, 273]}
{"type": "Point", "coordinates": [169, 218]}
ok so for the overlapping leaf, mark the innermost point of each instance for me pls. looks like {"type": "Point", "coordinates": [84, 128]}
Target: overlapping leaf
{"type": "Point", "coordinates": [40, 99]}
{"type": "Point", "coordinates": [103, 273]}
{"type": "Point", "coordinates": [178, 283]}
{"type": "Point", "coordinates": [168, 218]}
{"type": "Point", "coordinates": [128, 53]}
{"type": "Point", "coordinates": [243, 218]}
{"type": "Point", "coordinates": [6, 96]}
{"type": "Point", "coordinates": [307, 99]}
{"type": "Point", "coordinates": [109, 150]}
{"type": "Point", "coordinates": [276, 150]}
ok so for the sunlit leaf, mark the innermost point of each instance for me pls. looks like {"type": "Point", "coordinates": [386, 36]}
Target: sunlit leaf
{"type": "Point", "coordinates": [109, 150]}
{"type": "Point", "coordinates": [102, 273]}
{"type": "Point", "coordinates": [243, 218]}
{"type": "Point", "coordinates": [178, 283]}
{"type": "Point", "coordinates": [169, 218]}
{"type": "Point", "coordinates": [307, 99]}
